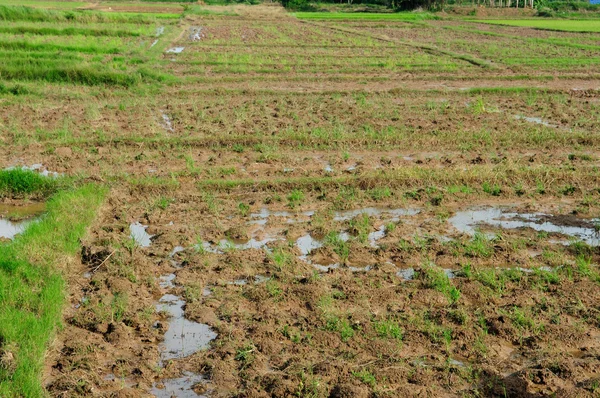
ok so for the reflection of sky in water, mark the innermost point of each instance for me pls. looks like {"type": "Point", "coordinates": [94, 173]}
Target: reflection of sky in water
{"type": "Point", "coordinates": [467, 221]}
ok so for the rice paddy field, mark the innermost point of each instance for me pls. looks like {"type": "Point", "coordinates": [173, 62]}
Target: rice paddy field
{"type": "Point", "coordinates": [238, 201]}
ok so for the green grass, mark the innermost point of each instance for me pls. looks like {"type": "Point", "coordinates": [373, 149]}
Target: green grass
{"type": "Point", "coordinates": [400, 16]}
{"type": "Point", "coordinates": [62, 5]}
{"type": "Point", "coordinates": [32, 289]}
{"type": "Point", "coordinates": [553, 24]}
{"type": "Point", "coordinates": [70, 31]}
{"type": "Point", "coordinates": [21, 13]}
{"type": "Point", "coordinates": [26, 182]}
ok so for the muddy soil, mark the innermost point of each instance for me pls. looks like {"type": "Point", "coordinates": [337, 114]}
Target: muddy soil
{"type": "Point", "coordinates": [280, 325]}
{"type": "Point", "coordinates": [282, 222]}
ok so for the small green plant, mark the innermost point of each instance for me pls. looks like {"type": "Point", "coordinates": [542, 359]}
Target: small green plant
{"type": "Point", "coordinates": [479, 106]}
{"type": "Point", "coordinates": [437, 279]}
{"type": "Point", "coordinates": [567, 190]}
{"type": "Point", "coordinates": [163, 202]}
{"type": "Point", "coordinates": [295, 197]}
{"type": "Point", "coordinates": [244, 355]}
{"type": "Point", "coordinates": [490, 189]}
{"type": "Point", "coordinates": [540, 188]}
{"type": "Point", "coordinates": [379, 193]}
{"type": "Point", "coordinates": [243, 209]}
{"type": "Point", "coordinates": [388, 329]}
{"type": "Point", "coordinates": [339, 245]}
{"type": "Point", "coordinates": [281, 258]}
{"type": "Point", "coordinates": [519, 190]}
{"type": "Point", "coordinates": [361, 226]}
{"type": "Point", "coordinates": [274, 289]}
{"type": "Point", "coordinates": [366, 377]}
{"type": "Point", "coordinates": [479, 246]}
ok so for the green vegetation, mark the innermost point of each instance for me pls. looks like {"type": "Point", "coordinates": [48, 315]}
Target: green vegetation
{"type": "Point", "coordinates": [33, 289]}
{"type": "Point", "coordinates": [18, 181]}
{"type": "Point", "coordinates": [399, 16]}
{"type": "Point", "coordinates": [557, 24]}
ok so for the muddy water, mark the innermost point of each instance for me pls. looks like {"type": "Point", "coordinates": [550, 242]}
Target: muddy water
{"type": "Point", "coordinates": [166, 122]}
{"type": "Point", "coordinates": [138, 233]}
{"type": "Point", "coordinates": [184, 337]}
{"type": "Point", "coordinates": [196, 33]}
{"type": "Point", "coordinates": [261, 218]}
{"type": "Point", "coordinates": [535, 120]}
{"type": "Point", "coordinates": [21, 212]}
{"type": "Point", "coordinates": [175, 50]}
{"type": "Point", "coordinates": [467, 221]}
{"type": "Point", "coordinates": [407, 274]}
{"type": "Point", "coordinates": [181, 387]}
{"type": "Point", "coordinates": [14, 219]}
{"type": "Point", "coordinates": [393, 214]}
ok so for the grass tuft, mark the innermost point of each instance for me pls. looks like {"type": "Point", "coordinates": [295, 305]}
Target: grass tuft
{"type": "Point", "coordinates": [32, 289]}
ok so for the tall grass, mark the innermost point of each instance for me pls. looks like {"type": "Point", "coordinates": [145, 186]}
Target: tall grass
{"type": "Point", "coordinates": [27, 182]}
{"type": "Point", "coordinates": [22, 13]}
{"type": "Point", "coordinates": [86, 75]}
{"type": "Point", "coordinates": [26, 45]}
{"type": "Point", "coordinates": [91, 75]}
{"type": "Point", "coordinates": [67, 31]}
{"type": "Point", "coordinates": [32, 289]}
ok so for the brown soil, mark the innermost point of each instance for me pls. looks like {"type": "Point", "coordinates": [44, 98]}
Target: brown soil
{"type": "Point", "coordinates": [287, 131]}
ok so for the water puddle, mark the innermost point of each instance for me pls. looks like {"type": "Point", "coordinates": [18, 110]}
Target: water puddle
{"type": "Point", "coordinates": [408, 274]}
{"type": "Point", "coordinates": [122, 380]}
{"type": "Point", "coordinates": [263, 215]}
{"type": "Point", "coordinates": [325, 268]}
{"type": "Point", "coordinates": [351, 167]}
{"type": "Point", "coordinates": [468, 221]}
{"type": "Point", "coordinates": [139, 235]}
{"type": "Point", "coordinates": [166, 122]}
{"type": "Point", "coordinates": [360, 269]}
{"type": "Point", "coordinates": [226, 244]}
{"type": "Point", "coordinates": [535, 120]}
{"type": "Point", "coordinates": [176, 249]}
{"type": "Point", "coordinates": [181, 387]}
{"type": "Point", "coordinates": [307, 243]}
{"type": "Point", "coordinates": [14, 219]}
{"type": "Point", "coordinates": [375, 236]}
{"type": "Point", "coordinates": [395, 214]}
{"type": "Point", "coordinates": [9, 229]}
{"type": "Point", "coordinates": [196, 33]}
{"type": "Point", "coordinates": [159, 31]}
{"type": "Point", "coordinates": [166, 281]}
{"type": "Point", "coordinates": [328, 168]}
{"type": "Point", "coordinates": [155, 42]}
{"type": "Point", "coordinates": [175, 50]}
{"type": "Point", "coordinates": [21, 212]}
{"type": "Point", "coordinates": [184, 337]}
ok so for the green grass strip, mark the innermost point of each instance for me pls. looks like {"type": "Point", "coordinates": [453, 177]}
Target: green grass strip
{"type": "Point", "coordinates": [21, 13]}
{"type": "Point", "coordinates": [46, 31]}
{"type": "Point", "coordinates": [22, 182]}
{"type": "Point", "coordinates": [26, 45]}
{"type": "Point", "coordinates": [32, 290]}
{"type": "Point", "coordinates": [549, 24]}
{"type": "Point", "coordinates": [399, 16]}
